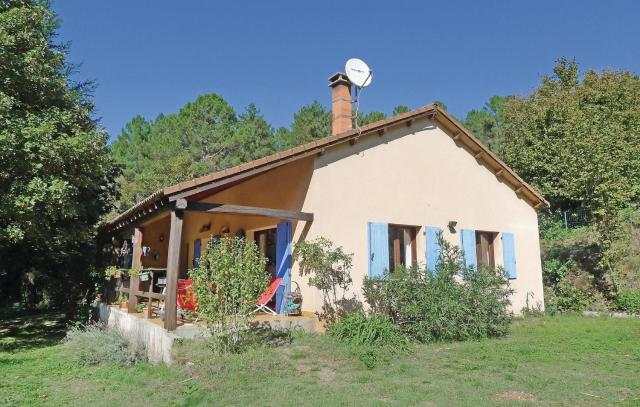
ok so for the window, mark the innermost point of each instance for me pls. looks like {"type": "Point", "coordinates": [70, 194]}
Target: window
{"type": "Point", "coordinates": [485, 248]}
{"type": "Point", "coordinates": [402, 246]}
{"type": "Point", "coordinates": [266, 241]}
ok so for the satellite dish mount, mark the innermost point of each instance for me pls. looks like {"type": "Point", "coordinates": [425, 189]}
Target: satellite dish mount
{"type": "Point", "coordinates": [360, 76]}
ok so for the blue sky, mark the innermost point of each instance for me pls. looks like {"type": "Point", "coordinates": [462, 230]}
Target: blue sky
{"type": "Point", "coordinates": [150, 57]}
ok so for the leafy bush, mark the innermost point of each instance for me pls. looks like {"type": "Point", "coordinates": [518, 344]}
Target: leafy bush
{"type": "Point", "coordinates": [94, 344]}
{"type": "Point", "coordinates": [456, 303]}
{"type": "Point", "coordinates": [565, 297]}
{"type": "Point", "coordinates": [555, 270]}
{"type": "Point", "coordinates": [227, 284]}
{"type": "Point", "coordinates": [329, 268]}
{"type": "Point", "coordinates": [372, 338]}
{"type": "Point", "coordinates": [375, 330]}
{"type": "Point", "coordinates": [629, 300]}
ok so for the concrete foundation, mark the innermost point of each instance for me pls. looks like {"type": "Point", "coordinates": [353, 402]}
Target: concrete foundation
{"type": "Point", "coordinates": [159, 342]}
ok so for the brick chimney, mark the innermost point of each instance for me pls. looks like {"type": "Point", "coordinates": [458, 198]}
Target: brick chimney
{"type": "Point", "coordinates": [340, 103]}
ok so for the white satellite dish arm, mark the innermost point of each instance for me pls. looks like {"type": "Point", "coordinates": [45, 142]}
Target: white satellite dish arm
{"type": "Point", "coordinates": [356, 102]}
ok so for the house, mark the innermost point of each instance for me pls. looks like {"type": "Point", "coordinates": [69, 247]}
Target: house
{"type": "Point", "coordinates": [382, 191]}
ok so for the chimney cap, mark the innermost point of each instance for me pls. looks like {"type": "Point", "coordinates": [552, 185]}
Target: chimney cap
{"type": "Point", "coordinates": [339, 78]}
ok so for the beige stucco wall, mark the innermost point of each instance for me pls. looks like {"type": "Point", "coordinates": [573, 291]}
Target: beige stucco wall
{"type": "Point", "coordinates": [284, 187]}
{"type": "Point", "coordinates": [416, 176]}
{"type": "Point", "coordinates": [411, 175]}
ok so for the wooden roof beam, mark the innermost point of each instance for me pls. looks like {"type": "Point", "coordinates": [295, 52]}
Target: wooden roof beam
{"type": "Point", "coordinates": [248, 210]}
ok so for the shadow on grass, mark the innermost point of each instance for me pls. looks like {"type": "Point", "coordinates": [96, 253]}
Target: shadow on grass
{"type": "Point", "coordinates": [262, 334]}
{"type": "Point", "coordinates": [31, 331]}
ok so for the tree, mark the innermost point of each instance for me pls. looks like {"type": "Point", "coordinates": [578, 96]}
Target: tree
{"type": "Point", "coordinates": [329, 270]}
{"type": "Point", "coordinates": [310, 123]}
{"type": "Point", "coordinates": [203, 136]}
{"type": "Point", "coordinates": [254, 136]}
{"type": "Point", "coordinates": [399, 110]}
{"type": "Point", "coordinates": [227, 283]}
{"type": "Point", "coordinates": [371, 117]}
{"type": "Point", "coordinates": [486, 123]}
{"type": "Point", "coordinates": [56, 178]}
{"type": "Point", "coordinates": [578, 142]}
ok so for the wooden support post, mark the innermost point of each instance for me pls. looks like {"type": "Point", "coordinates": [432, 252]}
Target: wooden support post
{"type": "Point", "coordinates": [173, 264]}
{"type": "Point", "coordinates": [134, 282]}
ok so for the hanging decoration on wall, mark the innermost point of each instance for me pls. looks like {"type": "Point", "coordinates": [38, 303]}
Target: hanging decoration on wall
{"type": "Point", "coordinates": [205, 228]}
{"type": "Point", "coordinates": [161, 238]}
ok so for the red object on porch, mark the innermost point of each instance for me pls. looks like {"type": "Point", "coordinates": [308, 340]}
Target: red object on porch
{"type": "Point", "coordinates": [267, 295]}
{"type": "Point", "coordinates": [184, 295]}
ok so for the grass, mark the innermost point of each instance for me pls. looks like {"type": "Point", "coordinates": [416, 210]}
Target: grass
{"type": "Point", "coordinates": [566, 360]}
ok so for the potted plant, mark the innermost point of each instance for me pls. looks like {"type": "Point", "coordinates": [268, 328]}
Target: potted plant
{"type": "Point", "coordinates": [135, 271]}
{"type": "Point", "coordinates": [123, 300]}
{"type": "Point", "coordinates": [140, 307]}
{"type": "Point", "coordinates": [112, 272]}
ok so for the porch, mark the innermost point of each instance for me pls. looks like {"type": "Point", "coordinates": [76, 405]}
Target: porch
{"type": "Point", "coordinates": [163, 247]}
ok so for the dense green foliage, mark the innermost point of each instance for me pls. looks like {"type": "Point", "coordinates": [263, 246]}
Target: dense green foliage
{"type": "Point", "coordinates": [230, 278]}
{"type": "Point", "coordinates": [562, 360]}
{"type": "Point", "coordinates": [577, 140]}
{"type": "Point", "coordinates": [56, 174]}
{"type": "Point", "coordinates": [487, 122]}
{"type": "Point", "coordinates": [456, 303]}
{"type": "Point", "coordinates": [206, 135]}
{"type": "Point", "coordinates": [329, 270]}
{"type": "Point", "coordinates": [629, 300]}
{"type": "Point", "coordinates": [373, 338]}
{"type": "Point", "coordinates": [94, 344]}
{"type": "Point", "coordinates": [310, 123]}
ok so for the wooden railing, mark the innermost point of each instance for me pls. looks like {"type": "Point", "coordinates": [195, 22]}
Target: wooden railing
{"type": "Point", "coordinates": [150, 294]}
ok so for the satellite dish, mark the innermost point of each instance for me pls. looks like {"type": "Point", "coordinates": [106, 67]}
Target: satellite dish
{"type": "Point", "coordinates": [358, 72]}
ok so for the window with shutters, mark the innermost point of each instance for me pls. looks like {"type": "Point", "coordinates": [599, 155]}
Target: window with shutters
{"type": "Point", "coordinates": [485, 251]}
{"type": "Point", "coordinates": [402, 246]}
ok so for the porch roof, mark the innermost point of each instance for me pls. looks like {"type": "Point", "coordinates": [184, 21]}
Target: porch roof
{"type": "Point", "coordinates": [166, 197]}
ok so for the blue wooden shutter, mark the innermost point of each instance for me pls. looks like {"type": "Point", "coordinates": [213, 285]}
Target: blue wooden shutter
{"type": "Point", "coordinates": [283, 263]}
{"type": "Point", "coordinates": [468, 246]}
{"type": "Point", "coordinates": [509, 255]}
{"type": "Point", "coordinates": [196, 253]}
{"type": "Point", "coordinates": [432, 254]}
{"type": "Point", "coordinates": [378, 249]}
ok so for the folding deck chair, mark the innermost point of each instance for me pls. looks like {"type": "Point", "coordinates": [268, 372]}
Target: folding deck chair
{"type": "Point", "coordinates": [266, 296]}
{"type": "Point", "coordinates": [185, 300]}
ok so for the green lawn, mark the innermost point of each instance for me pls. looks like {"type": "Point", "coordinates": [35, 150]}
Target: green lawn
{"type": "Point", "coordinates": [566, 360]}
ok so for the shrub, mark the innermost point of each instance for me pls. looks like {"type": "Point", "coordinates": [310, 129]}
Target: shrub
{"type": "Point", "coordinates": [373, 338]}
{"type": "Point", "coordinates": [227, 283]}
{"type": "Point", "coordinates": [554, 270]}
{"type": "Point", "coordinates": [456, 303]}
{"type": "Point", "coordinates": [329, 268]}
{"type": "Point", "coordinates": [628, 300]}
{"type": "Point", "coordinates": [566, 297]}
{"type": "Point", "coordinates": [94, 344]}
